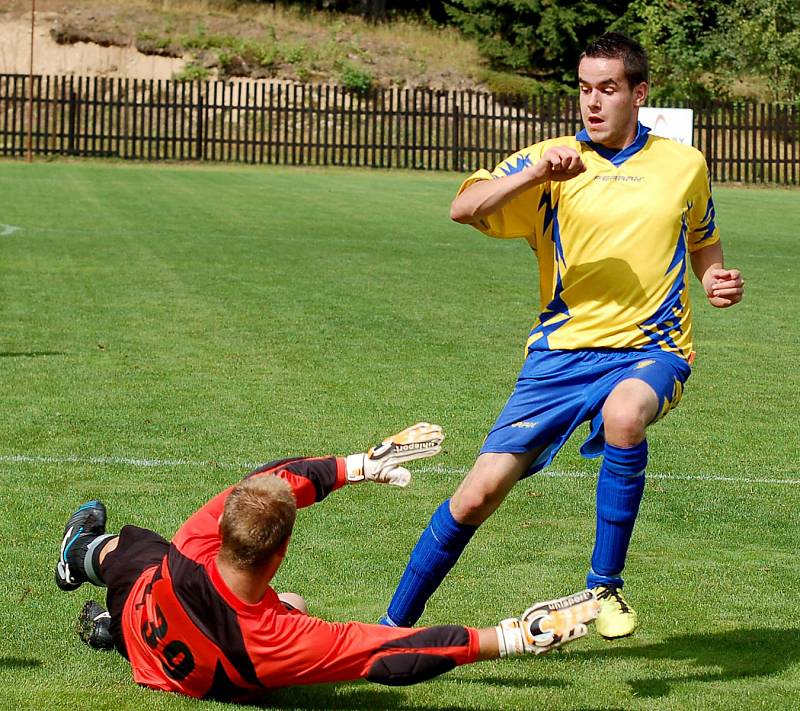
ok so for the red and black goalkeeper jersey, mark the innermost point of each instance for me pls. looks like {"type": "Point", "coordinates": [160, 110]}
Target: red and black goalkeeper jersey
{"type": "Point", "coordinates": [185, 631]}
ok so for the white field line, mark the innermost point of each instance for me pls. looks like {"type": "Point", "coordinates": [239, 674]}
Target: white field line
{"type": "Point", "coordinates": [429, 469]}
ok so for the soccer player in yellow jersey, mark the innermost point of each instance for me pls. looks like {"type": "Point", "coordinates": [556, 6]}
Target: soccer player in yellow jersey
{"type": "Point", "coordinates": [615, 216]}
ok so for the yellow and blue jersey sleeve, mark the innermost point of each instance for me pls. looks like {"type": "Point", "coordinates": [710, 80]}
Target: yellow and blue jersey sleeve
{"type": "Point", "coordinates": [701, 217]}
{"type": "Point", "coordinates": [521, 217]}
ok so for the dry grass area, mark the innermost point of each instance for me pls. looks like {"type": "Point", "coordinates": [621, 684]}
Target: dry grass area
{"type": "Point", "coordinates": [261, 40]}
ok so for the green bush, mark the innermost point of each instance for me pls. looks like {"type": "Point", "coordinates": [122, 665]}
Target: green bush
{"type": "Point", "coordinates": [356, 79]}
{"type": "Point", "coordinates": [524, 87]}
{"type": "Point", "coordinates": [192, 72]}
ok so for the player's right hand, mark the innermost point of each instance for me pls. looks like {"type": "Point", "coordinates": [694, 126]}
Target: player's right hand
{"type": "Point", "coordinates": [560, 163]}
{"type": "Point", "coordinates": [548, 625]}
{"type": "Point", "coordinates": [382, 463]}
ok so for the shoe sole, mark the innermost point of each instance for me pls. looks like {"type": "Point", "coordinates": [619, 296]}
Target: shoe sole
{"type": "Point", "coordinates": [616, 636]}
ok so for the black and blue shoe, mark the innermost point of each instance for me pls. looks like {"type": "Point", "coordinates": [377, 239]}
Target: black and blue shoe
{"type": "Point", "coordinates": [88, 522]}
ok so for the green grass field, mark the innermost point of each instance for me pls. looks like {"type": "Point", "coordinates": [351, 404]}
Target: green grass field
{"type": "Point", "coordinates": [163, 328]}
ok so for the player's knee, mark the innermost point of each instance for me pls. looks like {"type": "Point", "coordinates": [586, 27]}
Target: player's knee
{"type": "Point", "coordinates": [473, 505]}
{"type": "Point", "coordinates": [624, 425]}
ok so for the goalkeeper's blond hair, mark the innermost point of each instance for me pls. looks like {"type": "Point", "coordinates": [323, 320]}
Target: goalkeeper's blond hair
{"type": "Point", "coordinates": [258, 517]}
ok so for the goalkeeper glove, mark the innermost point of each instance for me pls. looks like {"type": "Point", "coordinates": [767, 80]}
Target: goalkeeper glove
{"type": "Point", "coordinates": [381, 463]}
{"type": "Point", "coordinates": [547, 625]}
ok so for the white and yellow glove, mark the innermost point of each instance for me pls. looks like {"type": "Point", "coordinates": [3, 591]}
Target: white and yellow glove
{"type": "Point", "coordinates": [547, 625]}
{"type": "Point", "coordinates": [382, 462]}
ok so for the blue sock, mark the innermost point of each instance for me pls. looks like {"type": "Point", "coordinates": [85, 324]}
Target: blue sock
{"type": "Point", "coordinates": [436, 552]}
{"type": "Point", "coordinates": [620, 486]}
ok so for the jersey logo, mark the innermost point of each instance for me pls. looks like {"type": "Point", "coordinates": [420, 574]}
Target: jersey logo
{"type": "Point", "coordinates": [643, 364]}
{"type": "Point", "coordinates": [620, 178]}
{"type": "Point", "coordinates": [526, 425]}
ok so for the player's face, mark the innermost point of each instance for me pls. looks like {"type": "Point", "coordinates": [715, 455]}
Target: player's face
{"type": "Point", "coordinates": [609, 106]}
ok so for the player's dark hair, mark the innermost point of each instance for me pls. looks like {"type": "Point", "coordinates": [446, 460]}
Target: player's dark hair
{"type": "Point", "coordinates": [258, 517]}
{"type": "Point", "coordinates": [615, 45]}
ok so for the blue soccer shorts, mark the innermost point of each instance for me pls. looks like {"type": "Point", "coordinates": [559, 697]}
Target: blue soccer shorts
{"type": "Point", "coordinates": [559, 390]}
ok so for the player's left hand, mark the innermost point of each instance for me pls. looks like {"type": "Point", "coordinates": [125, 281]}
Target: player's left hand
{"type": "Point", "coordinates": [382, 462]}
{"type": "Point", "coordinates": [724, 287]}
{"type": "Point", "coordinates": [545, 626]}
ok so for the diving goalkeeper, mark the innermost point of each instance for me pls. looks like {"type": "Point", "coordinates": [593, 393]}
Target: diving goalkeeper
{"type": "Point", "coordinates": [197, 615]}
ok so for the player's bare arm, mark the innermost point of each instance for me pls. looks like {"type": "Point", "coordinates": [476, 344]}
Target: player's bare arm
{"type": "Point", "coordinates": [487, 196]}
{"type": "Point", "coordinates": [723, 287]}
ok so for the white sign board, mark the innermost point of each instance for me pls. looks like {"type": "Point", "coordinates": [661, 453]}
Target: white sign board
{"type": "Point", "coordinates": [676, 124]}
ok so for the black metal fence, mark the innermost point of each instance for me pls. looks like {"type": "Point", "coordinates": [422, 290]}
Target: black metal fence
{"type": "Point", "coordinates": [285, 123]}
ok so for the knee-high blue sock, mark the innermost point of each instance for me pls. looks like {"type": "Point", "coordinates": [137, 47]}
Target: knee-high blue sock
{"type": "Point", "coordinates": [436, 552]}
{"type": "Point", "coordinates": [620, 486]}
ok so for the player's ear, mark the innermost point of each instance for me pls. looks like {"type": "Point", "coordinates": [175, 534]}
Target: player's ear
{"type": "Point", "coordinates": [640, 94]}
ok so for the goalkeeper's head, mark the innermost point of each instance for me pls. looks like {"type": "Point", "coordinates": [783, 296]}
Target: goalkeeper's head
{"type": "Point", "coordinates": [256, 522]}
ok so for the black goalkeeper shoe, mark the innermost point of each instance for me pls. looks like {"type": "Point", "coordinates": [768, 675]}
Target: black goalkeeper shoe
{"type": "Point", "coordinates": [88, 522]}
{"type": "Point", "coordinates": [93, 626]}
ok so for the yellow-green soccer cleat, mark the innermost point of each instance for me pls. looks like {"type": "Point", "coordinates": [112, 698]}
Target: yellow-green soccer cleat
{"type": "Point", "coordinates": [617, 618]}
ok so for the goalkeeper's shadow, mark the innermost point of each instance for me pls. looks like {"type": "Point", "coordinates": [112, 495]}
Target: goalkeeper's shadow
{"type": "Point", "coordinates": [356, 695]}
{"type": "Point", "coordinates": [718, 656]}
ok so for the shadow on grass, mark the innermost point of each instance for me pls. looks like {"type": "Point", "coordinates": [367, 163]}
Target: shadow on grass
{"type": "Point", "coordinates": [17, 663]}
{"type": "Point", "coordinates": [30, 354]}
{"type": "Point", "coordinates": [521, 683]}
{"type": "Point", "coordinates": [361, 696]}
{"type": "Point", "coordinates": [732, 655]}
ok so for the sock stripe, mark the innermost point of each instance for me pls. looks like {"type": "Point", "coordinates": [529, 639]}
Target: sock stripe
{"type": "Point", "coordinates": [91, 561]}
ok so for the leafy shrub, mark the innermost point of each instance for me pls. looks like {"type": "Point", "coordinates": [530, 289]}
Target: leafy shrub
{"type": "Point", "coordinates": [192, 72]}
{"type": "Point", "coordinates": [356, 79]}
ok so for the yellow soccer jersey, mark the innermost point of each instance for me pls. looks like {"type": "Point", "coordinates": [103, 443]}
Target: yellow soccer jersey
{"type": "Point", "coordinates": [612, 243]}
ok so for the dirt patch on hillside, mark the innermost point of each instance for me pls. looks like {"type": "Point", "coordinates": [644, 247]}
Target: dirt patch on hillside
{"type": "Point", "coordinates": [195, 39]}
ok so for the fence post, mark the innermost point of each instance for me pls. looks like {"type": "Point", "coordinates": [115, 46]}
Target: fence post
{"type": "Point", "coordinates": [456, 135]}
{"type": "Point", "coordinates": [198, 152]}
{"type": "Point", "coordinates": [73, 117]}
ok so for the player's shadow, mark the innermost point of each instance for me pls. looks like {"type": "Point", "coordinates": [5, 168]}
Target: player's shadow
{"type": "Point", "coordinates": [30, 354]}
{"type": "Point", "coordinates": [719, 656]}
{"type": "Point", "coordinates": [344, 696]}
{"type": "Point", "coordinates": [19, 663]}
{"type": "Point", "coordinates": [520, 682]}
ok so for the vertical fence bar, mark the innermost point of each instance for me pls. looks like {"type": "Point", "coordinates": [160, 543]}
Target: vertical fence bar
{"type": "Point", "coordinates": [336, 117]}
{"type": "Point", "coordinates": [794, 141]}
{"type": "Point", "coordinates": [456, 143]}
{"type": "Point", "coordinates": [157, 150]}
{"type": "Point", "coordinates": [326, 119]}
{"type": "Point", "coordinates": [200, 142]}
{"type": "Point", "coordinates": [105, 116]}
{"type": "Point", "coordinates": [286, 107]}
{"type": "Point", "coordinates": [770, 138]}
{"type": "Point", "coordinates": [262, 123]}
{"type": "Point", "coordinates": [315, 120]}
{"type": "Point", "coordinates": [406, 132]}
{"type": "Point", "coordinates": [348, 96]}
{"type": "Point", "coordinates": [4, 81]}
{"type": "Point", "coordinates": [15, 129]}
{"type": "Point", "coordinates": [46, 121]}
{"type": "Point", "coordinates": [73, 110]}
{"type": "Point", "coordinates": [297, 124]}
{"type": "Point", "coordinates": [147, 105]}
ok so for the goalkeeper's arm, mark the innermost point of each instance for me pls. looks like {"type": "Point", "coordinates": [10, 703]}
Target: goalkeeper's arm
{"type": "Point", "coordinates": [321, 651]}
{"type": "Point", "coordinates": [313, 478]}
